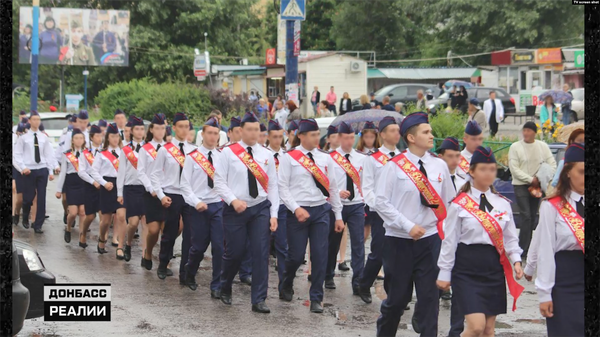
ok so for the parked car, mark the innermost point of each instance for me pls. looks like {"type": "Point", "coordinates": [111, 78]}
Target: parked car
{"type": "Point", "coordinates": [483, 93]}
{"type": "Point", "coordinates": [54, 123]}
{"type": "Point", "coordinates": [20, 295]}
{"type": "Point", "coordinates": [33, 275]}
{"type": "Point", "coordinates": [578, 105]}
{"type": "Point", "coordinates": [404, 93]}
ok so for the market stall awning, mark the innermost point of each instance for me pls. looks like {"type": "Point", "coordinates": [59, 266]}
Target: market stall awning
{"type": "Point", "coordinates": [248, 72]}
{"type": "Point", "coordinates": [427, 73]}
{"type": "Point", "coordinates": [375, 73]}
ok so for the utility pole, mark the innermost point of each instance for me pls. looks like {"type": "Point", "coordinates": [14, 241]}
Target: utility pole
{"type": "Point", "coordinates": [35, 51]}
{"type": "Point", "coordinates": [291, 62]}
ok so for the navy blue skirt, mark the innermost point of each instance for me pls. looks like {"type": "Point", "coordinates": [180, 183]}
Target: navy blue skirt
{"type": "Point", "coordinates": [154, 210]}
{"type": "Point", "coordinates": [91, 199]}
{"type": "Point", "coordinates": [108, 199]}
{"type": "Point", "coordinates": [16, 175]}
{"type": "Point", "coordinates": [568, 295]}
{"type": "Point", "coordinates": [478, 282]}
{"type": "Point", "coordinates": [74, 187]}
{"type": "Point", "coordinates": [133, 199]}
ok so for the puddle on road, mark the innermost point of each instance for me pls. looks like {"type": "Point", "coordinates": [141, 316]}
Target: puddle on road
{"type": "Point", "coordinates": [534, 321]}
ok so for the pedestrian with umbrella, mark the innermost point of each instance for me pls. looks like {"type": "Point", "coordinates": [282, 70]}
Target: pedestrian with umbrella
{"type": "Point", "coordinates": [563, 97]}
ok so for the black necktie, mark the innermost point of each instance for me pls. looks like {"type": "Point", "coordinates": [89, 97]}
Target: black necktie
{"type": "Point", "coordinates": [115, 154]}
{"type": "Point", "coordinates": [95, 152]}
{"type": "Point", "coordinates": [349, 182]}
{"type": "Point", "coordinates": [158, 148]}
{"type": "Point", "coordinates": [581, 208]}
{"type": "Point", "coordinates": [392, 154]}
{"type": "Point", "coordinates": [423, 201]}
{"type": "Point", "coordinates": [183, 154]}
{"type": "Point", "coordinates": [319, 185]}
{"type": "Point", "coordinates": [211, 184]}
{"type": "Point", "coordinates": [77, 154]}
{"type": "Point", "coordinates": [36, 147]}
{"type": "Point", "coordinates": [252, 185]}
{"type": "Point", "coordinates": [453, 183]}
{"type": "Point", "coordinates": [485, 205]}
{"type": "Point", "coordinates": [122, 137]}
{"type": "Point", "coordinates": [276, 155]}
{"type": "Point", "coordinates": [137, 148]}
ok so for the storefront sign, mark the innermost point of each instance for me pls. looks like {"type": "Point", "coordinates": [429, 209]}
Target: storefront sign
{"type": "Point", "coordinates": [297, 38]}
{"type": "Point", "coordinates": [579, 59]}
{"type": "Point", "coordinates": [548, 55]}
{"type": "Point", "coordinates": [523, 57]}
{"type": "Point", "coordinates": [271, 56]}
{"type": "Point", "coordinates": [529, 97]}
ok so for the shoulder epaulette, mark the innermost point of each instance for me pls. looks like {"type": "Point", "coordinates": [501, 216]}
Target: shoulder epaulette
{"type": "Point", "coordinates": [360, 152]}
{"type": "Point", "coordinates": [372, 153]}
{"type": "Point", "coordinates": [505, 198]}
{"type": "Point", "coordinates": [457, 195]}
{"type": "Point", "coordinates": [69, 150]}
{"type": "Point", "coordinates": [433, 154]}
{"type": "Point", "coordinates": [288, 150]}
{"type": "Point", "coordinates": [324, 151]}
{"type": "Point", "coordinates": [195, 150]}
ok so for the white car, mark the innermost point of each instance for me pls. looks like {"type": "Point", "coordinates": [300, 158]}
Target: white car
{"type": "Point", "coordinates": [54, 124]}
{"type": "Point", "coordinates": [578, 104]}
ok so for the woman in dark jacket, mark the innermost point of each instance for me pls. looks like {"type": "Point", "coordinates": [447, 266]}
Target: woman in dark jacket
{"type": "Point", "coordinates": [345, 104]}
{"type": "Point", "coordinates": [51, 42]}
{"type": "Point", "coordinates": [461, 99]}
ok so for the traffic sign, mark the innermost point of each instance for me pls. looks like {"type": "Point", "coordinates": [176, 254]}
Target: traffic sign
{"type": "Point", "coordinates": [199, 72]}
{"type": "Point", "coordinates": [579, 59]}
{"type": "Point", "coordinates": [293, 10]}
{"type": "Point", "coordinates": [200, 65]}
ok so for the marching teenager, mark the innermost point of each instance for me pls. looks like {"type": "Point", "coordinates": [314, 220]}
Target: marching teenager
{"type": "Point", "coordinates": [389, 132]}
{"type": "Point", "coordinates": [155, 213]}
{"type": "Point", "coordinates": [480, 245]}
{"type": "Point", "coordinates": [450, 152]}
{"type": "Point", "coordinates": [130, 190]}
{"type": "Point", "coordinates": [275, 144]}
{"type": "Point", "coordinates": [411, 194]}
{"type": "Point", "coordinates": [91, 195]}
{"type": "Point", "coordinates": [251, 210]}
{"type": "Point", "coordinates": [291, 133]}
{"type": "Point", "coordinates": [191, 135]}
{"type": "Point", "coordinates": [104, 171]}
{"type": "Point", "coordinates": [262, 138]}
{"type": "Point", "coordinates": [169, 134]}
{"type": "Point", "coordinates": [165, 178]}
{"type": "Point", "coordinates": [331, 140]}
{"type": "Point", "coordinates": [560, 265]}
{"type": "Point", "coordinates": [127, 130]}
{"type": "Point", "coordinates": [197, 188]}
{"type": "Point", "coordinates": [121, 121]}
{"type": "Point", "coordinates": [35, 159]}
{"type": "Point", "coordinates": [17, 183]}
{"type": "Point", "coordinates": [70, 183]}
{"type": "Point", "coordinates": [306, 183]}
{"type": "Point", "coordinates": [473, 138]}
{"type": "Point", "coordinates": [234, 133]}
{"type": "Point", "coordinates": [348, 172]}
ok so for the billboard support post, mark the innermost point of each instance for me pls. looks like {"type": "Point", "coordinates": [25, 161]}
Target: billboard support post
{"type": "Point", "coordinates": [85, 75]}
{"type": "Point", "coordinates": [35, 50]}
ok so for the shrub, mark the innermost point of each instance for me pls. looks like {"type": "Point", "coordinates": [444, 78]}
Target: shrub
{"type": "Point", "coordinates": [230, 105]}
{"type": "Point", "coordinates": [124, 95]}
{"type": "Point", "coordinates": [22, 102]}
{"type": "Point", "coordinates": [170, 98]}
{"type": "Point", "coordinates": [448, 124]}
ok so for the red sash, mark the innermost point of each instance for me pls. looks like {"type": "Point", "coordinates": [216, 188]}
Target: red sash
{"type": "Point", "coordinates": [425, 188]}
{"type": "Point", "coordinates": [494, 230]}
{"type": "Point", "coordinates": [251, 164]}
{"type": "Point", "coordinates": [572, 218]}
{"type": "Point", "coordinates": [464, 164]}
{"type": "Point", "coordinates": [150, 149]}
{"type": "Point", "coordinates": [201, 160]}
{"type": "Point", "coordinates": [174, 151]}
{"type": "Point", "coordinates": [89, 156]}
{"type": "Point", "coordinates": [380, 157]}
{"type": "Point", "coordinates": [131, 156]}
{"type": "Point", "coordinates": [348, 168]}
{"type": "Point", "coordinates": [310, 167]}
{"type": "Point", "coordinates": [74, 160]}
{"type": "Point", "coordinates": [112, 159]}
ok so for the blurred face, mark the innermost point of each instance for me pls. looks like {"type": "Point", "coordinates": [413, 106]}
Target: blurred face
{"type": "Point", "coordinates": [76, 35]}
{"type": "Point", "coordinates": [346, 95]}
{"type": "Point", "coordinates": [423, 138]}
{"type": "Point", "coordinates": [279, 105]}
{"type": "Point", "coordinates": [250, 133]}
{"type": "Point", "coordinates": [138, 132]}
{"type": "Point", "coordinates": [580, 138]}
{"type": "Point", "coordinates": [398, 108]}
{"type": "Point", "coordinates": [275, 138]}
{"type": "Point", "coordinates": [236, 134]}
{"type": "Point", "coordinates": [262, 138]}
{"type": "Point", "coordinates": [103, 128]}
{"type": "Point", "coordinates": [334, 141]}
{"type": "Point", "coordinates": [181, 129]}
{"type": "Point", "coordinates": [114, 139]}
{"type": "Point", "coordinates": [219, 117]}
{"type": "Point", "coordinates": [331, 89]}
{"type": "Point", "coordinates": [346, 141]}
{"type": "Point", "coordinates": [493, 95]}
{"type": "Point", "coordinates": [472, 142]}
{"type": "Point", "coordinates": [369, 139]}
{"type": "Point", "coordinates": [158, 132]}
{"type": "Point", "coordinates": [419, 95]}
{"type": "Point", "coordinates": [96, 138]}
{"type": "Point", "coordinates": [210, 136]}
{"type": "Point", "coordinates": [49, 24]}
{"type": "Point", "coordinates": [126, 132]}
{"type": "Point", "coordinates": [452, 158]}
{"type": "Point", "coordinates": [566, 87]}
{"type": "Point", "coordinates": [169, 138]}
{"type": "Point", "coordinates": [105, 25]}
{"type": "Point", "coordinates": [577, 177]}
{"type": "Point", "coordinates": [27, 31]}
{"type": "Point", "coordinates": [391, 134]}
{"type": "Point", "coordinates": [120, 120]}
{"type": "Point", "coordinates": [316, 88]}
{"type": "Point", "coordinates": [483, 175]}
{"type": "Point", "coordinates": [78, 140]}
{"type": "Point", "coordinates": [82, 123]}
{"type": "Point", "coordinates": [528, 135]}
{"type": "Point", "coordinates": [310, 140]}
{"type": "Point", "coordinates": [291, 135]}
{"type": "Point", "coordinates": [322, 106]}
{"type": "Point", "coordinates": [34, 122]}
{"type": "Point", "coordinates": [190, 136]}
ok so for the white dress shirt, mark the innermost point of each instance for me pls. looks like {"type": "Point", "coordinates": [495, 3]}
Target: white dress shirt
{"type": "Point", "coordinates": [194, 180]}
{"type": "Point", "coordinates": [67, 168]}
{"type": "Point", "coordinates": [460, 178]}
{"type": "Point", "coordinates": [85, 168]}
{"type": "Point", "coordinates": [398, 199]}
{"type": "Point", "coordinates": [280, 155]}
{"type": "Point", "coordinates": [24, 152]}
{"type": "Point", "coordinates": [356, 159]}
{"type": "Point", "coordinates": [146, 165]}
{"type": "Point", "coordinates": [298, 188]}
{"type": "Point", "coordinates": [462, 227]}
{"type": "Point", "coordinates": [487, 109]}
{"type": "Point", "coordinates": [165, 176]}
{"type": "Point", "coordinates": [554, 236]}
{"type": "Point", "coordinates": [15, 138]}
{"type": "Point", "coordinates": [64, 143]}
{"type": "Point", "coordinates": [371, 173]}
{"type": "Point", "coordinates": [128, 175]}
{"type": "Point", "coordinates": [231, 181]}
{"type": "Point", "coordinates": [102, 167]}
{"type": "Point", "coordinates": [281, 117]}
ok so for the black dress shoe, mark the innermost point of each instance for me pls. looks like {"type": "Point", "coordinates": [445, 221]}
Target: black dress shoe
{"type": "Point", "coordinates": [46, 217]}
{"type": "Point", "coordinates": [127, 253]}
{"type": "Point", "coordinates": [415, 324]}
{"type": "Point", "coordinates": [119, 257]}
{"type": "Point", "coordinates": [329, 284]}
{"type": "Point", "coordinates": [15, 219]}
{"type": "Point", "coordinates": [38, 231]}
{"type": "Point", "coordinates": [169, 272]}
{"type": "Point", "coordinates": [246, 280]}
{"type": "Point", "coordinates": [261, 307]}
{"type": "Point", "coordinates": [67, 236]}
{"type": "Point", "coordinates": [447, 295]}
{"type": "Point", "coordinates": [343, 266]}
{"type": "Point", "coordinates": [25, 222]}
{"type": "Point", "coordinates": [226, 298]}
{"type": "Point", "coordinates": [216, 294]}
{"type": "Point", "coordinates": [286, 294]}
{"type": "Point", "coordinates": [365, 295]}
{"type": "Point", "coordinates": [161, 272]}
{"type": "Point", "coordinates": [83, 244]}
{"type": "Point", "coordinates": [114, 244]}
{"type": "Point", "coordinates": [101, 250]}
{"type": "Point", "coordinates": [316, 307]}
{"type": "Point", "coordinates": [146, 263]}
{"type": "Point", "coordinates": [191, 283]}
{"type": "Point", "coordinates": [355, 290]}
{"type": "Point", "coordinates": [309, 278]}
{"type": "Point", "coordinates": [65, 218]}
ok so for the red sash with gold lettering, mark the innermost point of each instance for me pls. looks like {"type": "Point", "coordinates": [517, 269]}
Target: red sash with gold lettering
{"type": "Point", "coordinates": [425, 188]}
{"type": "Point", "coordinates": [494, 230]}
{"type": "Point", "coordinates": [130, 155]}
{"type": "Point", "coordinates": [464, 164]}
{"type": "Point", "coordinates": [572, 218]}
{"type": "Point", "coordinates": [348, 168]}
{"type": "Point", "coordinates": [89, 156]}
{"type": "Point", "coordinates": [74, 160]}
{"type": "Point", "coordinates": [150, 149]}
{"type": "Point", "coordinates": [251, 164]}
{"type": "Point", "coordinates": [380, 157]}
{"type": "Point", "coordinates": [174, 151]}
{"type": "Point", "coordinates": [201, 160]}
{"type": "Point", "coordinates": [310, 167]}
{"type": "Point", "coordinates": [114, 161]}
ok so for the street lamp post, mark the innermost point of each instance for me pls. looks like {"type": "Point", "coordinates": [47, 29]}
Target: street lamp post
{"type": "Point", "coordinates": [85, 75]}
{"type": "Point", "coordinates": [205, 44]}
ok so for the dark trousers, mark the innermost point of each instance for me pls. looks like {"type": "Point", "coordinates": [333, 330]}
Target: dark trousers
{"type": "Point", "coordinates": [252, 224]}
{"type": "Point", "coordinates": [528, 208]}
{"type": "Point", "coordinates": [406, 261]}
{"type": "Point", "coordinates": [493, 123]}
{"type": "Point", "coordinates": [316, 228]}
{"type": "Point", "coordinates": [354, 217]}
{"type": "Point", "coordinates": [246, 265]}
{"type": "Point", "coordinates": [207, 228]}
{"type": "Point", "coordinates": [281, 245]}
{"type": "Point", "coordinates": [35, 183]}
{"type": "Point", "coordinates": [178, 209]}
{"type": "Point", "coordinates": [374, 261]}
{"type": "Point", "coordinates": [333, 109]}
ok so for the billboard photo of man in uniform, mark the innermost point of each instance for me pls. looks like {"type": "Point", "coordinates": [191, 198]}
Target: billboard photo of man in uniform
{"type": "Point", "coordinates": [104, 42]}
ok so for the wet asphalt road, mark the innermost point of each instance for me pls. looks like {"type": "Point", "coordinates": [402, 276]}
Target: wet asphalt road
{"type": "Point", "coordinates": [143, 305]}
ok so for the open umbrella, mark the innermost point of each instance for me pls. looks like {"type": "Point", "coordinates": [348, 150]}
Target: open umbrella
{"type": "Point", "coordinates": [457, 83]}
{"type": "Point", "coordinates": [358, 118]}
{"type": "Point", "coordinates": [558, 96]}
